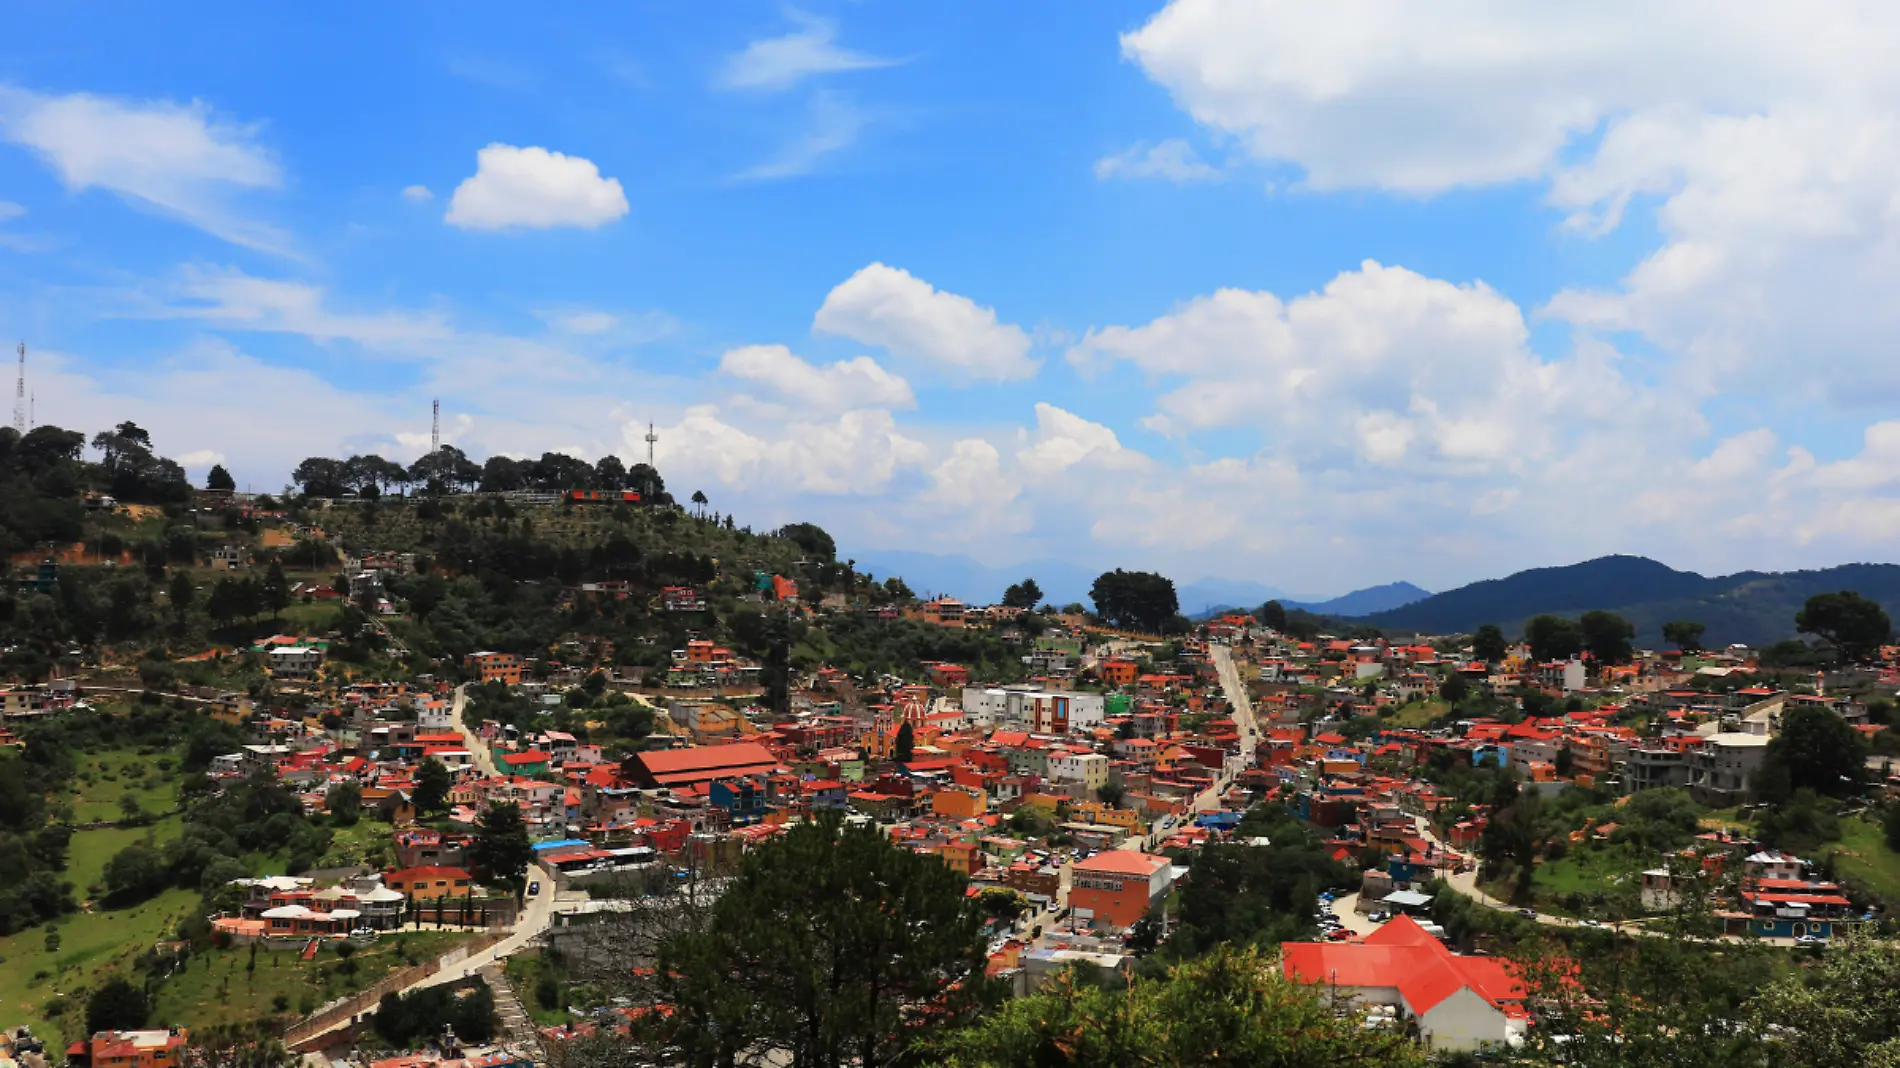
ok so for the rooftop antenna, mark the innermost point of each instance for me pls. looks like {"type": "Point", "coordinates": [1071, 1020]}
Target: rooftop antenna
{"type": "Point", "coordinates": [435, 425]}
{"type": "Point", "coordinates": [19, 395]}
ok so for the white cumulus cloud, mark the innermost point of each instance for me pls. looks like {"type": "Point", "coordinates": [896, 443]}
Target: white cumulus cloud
{"type": "Point", "coordinates": [914, 320]}
{"type": "Point", "coordinates": [840, 386]}
{"type": "Point", "coordinates": [417, 194]}
{"type": "Point", "coordinates": [1764, 138]}
{"type": "Point", "coordinates": [534, 189]}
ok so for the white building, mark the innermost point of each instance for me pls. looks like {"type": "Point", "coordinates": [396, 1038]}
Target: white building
{"type": "Point", "coordinates": [1722, 771]}
{"type": "Point", "coordinates": [295, 661]}
{"type": "Point", "coordinates": [1044, 711]}
{"type": "Point", "coordinates": [434, 714]}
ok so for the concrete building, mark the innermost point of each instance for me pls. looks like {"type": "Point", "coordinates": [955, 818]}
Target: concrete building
{"type": "Point", "coordinates": [1652, 766]}
{"type": "Point", "coordinates": [1089, 769]}
{"type": "Point", "coordinates": [1116, 887]}
{"type": "Point", "coordinates": [1042, 711]}
{"type": "Point", "coordinates": [1722, 772]}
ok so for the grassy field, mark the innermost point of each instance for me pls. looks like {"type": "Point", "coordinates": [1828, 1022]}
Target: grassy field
{"type": "Point", "coordinates": [367, 842]}
{"type": "Point", "coordinates": [1863, 857]}
{"type": "Point", "coordinates": [91, 850]}
{"type": "Point", "coordinates": [103, 778]}
{"type": "Point", "coordinates": [91, 944]}
{"type": "Point", "coordinates": [232, 985]}
{"type": "Point", "coordinates": [1418, 715]}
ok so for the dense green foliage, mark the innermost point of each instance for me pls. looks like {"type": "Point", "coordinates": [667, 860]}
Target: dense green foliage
{"type": "Point", "coordinates": [832, 945]}
{"type": "Point", "coordinates": [501, 852]}
{"type": "Point", "coordinates": [1255, 895]}
{"type": "Point", "coordinates": [116, 1005]}
{"type": "Point", "coordinates": [1816, 750]}
{"type": "Point", "coordinates": [408, 1020]}
{"type": "Point", "coordinates": [1136, 600]}
{"type": "Point", "coordinates": [1855, 626]}
{"type": "Point", "coordinates": [1227, 1007]}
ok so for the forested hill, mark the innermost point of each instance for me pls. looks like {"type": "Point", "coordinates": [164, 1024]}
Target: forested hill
{"type": "Point", "coordinates": [1752, 607]}
{"type": "Point", "coordinates": [487, 571]}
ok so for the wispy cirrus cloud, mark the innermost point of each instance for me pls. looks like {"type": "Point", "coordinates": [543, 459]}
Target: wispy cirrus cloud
{"type": "Point", "coordinates": [774, 64]}
{"type": "Point", "coordinates": [178, 160]}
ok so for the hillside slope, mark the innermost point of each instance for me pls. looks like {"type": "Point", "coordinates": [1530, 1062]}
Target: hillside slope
{"type": "Point", "coordinates": [1365, 602]}
{"type": "Point", "coordinates": [1752, 607]}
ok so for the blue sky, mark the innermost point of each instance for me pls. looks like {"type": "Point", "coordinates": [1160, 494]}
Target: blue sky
{"type": "Point", "coordinates": [1318, 295]}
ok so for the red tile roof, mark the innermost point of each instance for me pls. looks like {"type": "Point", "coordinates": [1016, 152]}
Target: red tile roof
{"type": "Point", "coordinates": [1402, 956]}
{"type": "Point", "coordinates": [1122, 862]}
{"type": "Point", "coordinates": [678, 767]}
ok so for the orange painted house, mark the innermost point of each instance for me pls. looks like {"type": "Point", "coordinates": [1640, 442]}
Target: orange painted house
{"type": "Point", "coordinates": [495, 667]}
{"type": "Point", "coordinates": [960, 804]}
{"type": "Point", "coordinates": [1118, 886]}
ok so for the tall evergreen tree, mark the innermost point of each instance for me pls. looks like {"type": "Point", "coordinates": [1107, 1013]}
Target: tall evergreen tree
{"type": "Point", "coordinates": [832, 946]}
{"type": "Point", "coordinates": [501, 852]}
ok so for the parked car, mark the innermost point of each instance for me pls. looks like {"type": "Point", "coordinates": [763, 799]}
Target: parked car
{"type": "Point", "coordinates": [534, 888]}
{"type": "Point", "coordinates": [1529, 914]}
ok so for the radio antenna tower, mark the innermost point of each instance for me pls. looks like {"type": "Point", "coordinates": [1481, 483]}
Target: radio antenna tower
{"type": "Point", "coordinates": [19, 395]}
{"type": "Point", "coordinates": [651, 438]}
{"type": "Point", "coordinates": [435, 425]}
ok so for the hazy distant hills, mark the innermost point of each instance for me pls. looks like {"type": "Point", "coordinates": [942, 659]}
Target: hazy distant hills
{"type": "Point", "coordinates": [1752, 607]}
{"type": "Point", "coordinates": [1063, 582]}
{"type": "Point", "coordinates": [1367, 601]}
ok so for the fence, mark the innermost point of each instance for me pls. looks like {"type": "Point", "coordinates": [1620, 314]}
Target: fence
{"type": "Point", "coordinates": [330, 1017]}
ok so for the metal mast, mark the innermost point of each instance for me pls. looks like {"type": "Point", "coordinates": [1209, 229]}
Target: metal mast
{"type": "Point", "coordinates": [435, 425]}
{"type": "Point", "coordinates": [19, 395]}
{"type": "Point", "coordinates": [651, 438]}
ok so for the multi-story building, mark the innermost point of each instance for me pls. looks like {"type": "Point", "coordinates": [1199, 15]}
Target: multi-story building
{"type": "Point", "coordinates": [1655, 765]}
{"type": "Point", "coordinates": [495, 667]}
{"type": "Point", "coordinates": [1116, 887]}
{"type": "Point", "coordinates": [1722, 772]}
{"type": "Point", "coordinates": [1089, 769]}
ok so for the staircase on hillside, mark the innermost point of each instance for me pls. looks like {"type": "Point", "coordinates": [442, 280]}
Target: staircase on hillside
{"type": "Point", "coordinates": [517, 1027]}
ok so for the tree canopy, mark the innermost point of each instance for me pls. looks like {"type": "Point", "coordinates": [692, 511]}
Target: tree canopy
{"type": "Point", "coordinates": [1488, 643]}
{"type": "Point", "coordinates": [1816, 750]}
{"type": "Point", "coordinates": [501, 852]}
{"type": "Point", "coordinates": [832, 946]}
{"type": "Point", "coordinates": [1231, 1006]}
{"type": "Point", "coordinates": [1025, 594]}
{"type": "Point", "coordinates": [1607, 636]}
{"type": "Point", "coordinates": [1138, 600]}
{"type": "Point", "coordinates": [1855, 626]}
{"type": "Point", "coordinates": [1553, 637]}
{"type": "Point", "coordinates": [1684, 634]}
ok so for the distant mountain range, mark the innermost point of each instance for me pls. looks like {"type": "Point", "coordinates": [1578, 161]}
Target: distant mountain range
{"type": "Point", "coordinates": [1357, 603]}
{"type": "Point", "coordinates": [1367, 601]}
{"type": "Point", "coordinates": [1751, 607]}
{"type": "Point", "coordinates": [1064, 582]}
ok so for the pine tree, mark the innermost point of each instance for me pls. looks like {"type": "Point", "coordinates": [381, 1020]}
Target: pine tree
{"type": "Point", "coordinates": [845, 939]}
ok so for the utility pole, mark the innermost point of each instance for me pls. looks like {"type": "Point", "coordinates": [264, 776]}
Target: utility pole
{"type": "Point", "coordinates": [19, 395]}
{"type": "Point", "coordinates": [435, 425]}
